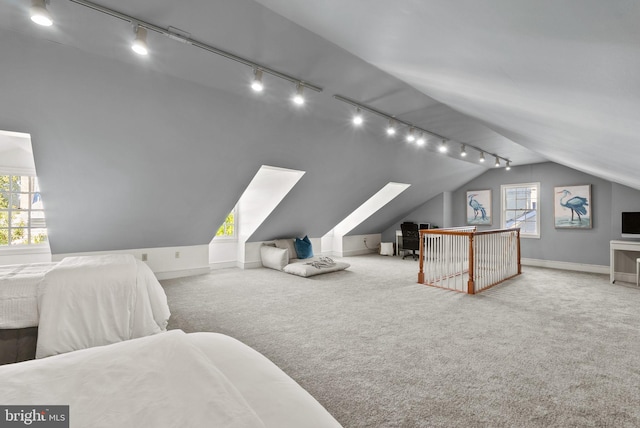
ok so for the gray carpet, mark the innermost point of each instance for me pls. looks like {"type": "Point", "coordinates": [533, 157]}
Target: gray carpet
{"type": "Point", "coordinates": [547, 349]}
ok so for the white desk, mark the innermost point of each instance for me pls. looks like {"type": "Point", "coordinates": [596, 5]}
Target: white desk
{"type": "Point", "coordinates": [398, 241]}
{"type": "Point", "coordinates": [615, 247]}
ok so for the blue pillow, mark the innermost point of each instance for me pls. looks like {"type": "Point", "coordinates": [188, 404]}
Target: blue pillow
{"type": "Point", "coordinates": [303, 248]}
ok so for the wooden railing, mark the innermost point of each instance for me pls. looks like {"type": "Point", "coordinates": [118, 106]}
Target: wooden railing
{"type": "Point", "coordinates": [465, 260]}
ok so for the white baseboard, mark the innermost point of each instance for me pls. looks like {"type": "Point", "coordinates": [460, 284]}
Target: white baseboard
{"type": "Point", "coordinates": [580, 267]}
{"type": "Point", "coordinates": [180, 273]}
{"type": "Point", "coordinates": [249, 265]}
{"type": "Point", "coordinates": [223, 265]}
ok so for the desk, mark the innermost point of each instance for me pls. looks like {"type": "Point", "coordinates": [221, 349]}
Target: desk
{"type": "Point", "coordinates": [615, 249]}
{"type": "Point", "coordinates": [398, 241]}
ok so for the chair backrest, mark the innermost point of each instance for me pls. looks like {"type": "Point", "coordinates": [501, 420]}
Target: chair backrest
{"type": "Point", "coordinates": [410, 236]}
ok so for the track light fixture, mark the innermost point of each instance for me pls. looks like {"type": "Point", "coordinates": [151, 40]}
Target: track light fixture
{"type": "Point", "coordinates": [410, 137]}
{"type": "Point", "coordinates": [298, 98]}
{"type": "Point", "coordinates": [357, 118]}
{"type": "Point", "coordinates": [139, 44]}
{"type": "Point", "coordinates": [508, 167]}
{"type": "Point", "coordinates": [141, 27]}
{"type": "Point", "coordinates": [497, 164]}
{"type": "Point", "coordinates": [257, 85]}
{"type": "Point", "coordinates": [39, 13]}
{"type": "Point", "coordinates": [415, 133]}
{"type": "Point", "coordinates": [391, 128]}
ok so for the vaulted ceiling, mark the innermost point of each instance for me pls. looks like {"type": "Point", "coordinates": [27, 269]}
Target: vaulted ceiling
{"type": "Point", "coordinates": [558, 78]}
{"type": "Point", "coordinates": [529, 81]}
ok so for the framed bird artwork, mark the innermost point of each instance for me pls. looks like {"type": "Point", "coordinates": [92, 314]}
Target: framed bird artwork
{"type": "Point", "coordinates": [479, 207]}
{"type": "Point", "coordinates": [572, 207]}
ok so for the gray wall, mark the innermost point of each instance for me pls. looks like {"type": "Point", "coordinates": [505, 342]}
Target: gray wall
{"type": "Point", "coordinates": [129, 157]}
{"type": "Point", "coordinates": [590, 246]}
{"type": "Point", "coordinates": [433, 211]}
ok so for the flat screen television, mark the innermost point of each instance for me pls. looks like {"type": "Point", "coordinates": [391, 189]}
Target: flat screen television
{"type": "Point", "coordinates": [631, 225]}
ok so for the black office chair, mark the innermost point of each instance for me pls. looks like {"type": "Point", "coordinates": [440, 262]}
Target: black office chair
{"type": "Point", "coordinates": [410, 239]}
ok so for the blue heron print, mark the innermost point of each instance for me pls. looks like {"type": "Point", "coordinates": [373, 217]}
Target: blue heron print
{"type": "Point", "coordinates": [478, 212]}
{"type": "Point", "coordinates": [575, 201]}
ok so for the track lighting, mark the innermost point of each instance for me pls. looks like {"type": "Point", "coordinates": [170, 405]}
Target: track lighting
{"type": "Point", "coordinates": [39, 13]}
{"type": "Point", "coordinates": [410, 137]}
{"type": "Point", "coordinates": [416, 134]}
{"type": "Point", "coordinates": [508, 167]}
{"type": "Point", "coordinates": [357, 118]}
{"type": "Point", "coordinates": [257, 85]}
{"type": "Point", "coordinates": [139, 44]}
{"type": "Point", "coordinates": [298, 97]}
{"type": "Point", "coordinates": [391, 128]}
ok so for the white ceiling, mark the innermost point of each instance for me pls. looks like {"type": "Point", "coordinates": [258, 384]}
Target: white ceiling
{"type": "Point", "coordinates": [559, 78]}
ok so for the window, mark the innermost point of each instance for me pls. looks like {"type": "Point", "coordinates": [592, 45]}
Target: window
{"type": "Point", "coordinates": [21, 211]}
{"type": "Point", "coordinates": [520, 205]}
{"type": "Point", "coordinates": [228, 228]}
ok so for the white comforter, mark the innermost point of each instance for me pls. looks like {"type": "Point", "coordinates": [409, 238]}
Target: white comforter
{"type": "Point", "coordinates": [98, 300]}
{"type": "Point", "coordinates": [19, 294]}
{"type": "Point", "coordinates": [164, 381]}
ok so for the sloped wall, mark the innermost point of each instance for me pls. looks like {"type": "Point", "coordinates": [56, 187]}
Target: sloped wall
{"type": "Point", "coordinates": [130, 158]}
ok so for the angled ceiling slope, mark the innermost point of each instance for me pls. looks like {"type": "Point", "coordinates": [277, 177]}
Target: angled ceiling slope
{"type": "Point", "coordinates": [267, 189]}
{"type": "Point", "coordinates": [559, 78]}
{"type": "Point", "coordinates": [367, 209]}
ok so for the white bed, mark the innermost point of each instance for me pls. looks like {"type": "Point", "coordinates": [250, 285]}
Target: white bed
{"type": "Point", "coordinates": [81, 302]}
{"type": "Point", "coordinates": [170, 379]}
{"type": "Point", "coordinates": [19, 294]}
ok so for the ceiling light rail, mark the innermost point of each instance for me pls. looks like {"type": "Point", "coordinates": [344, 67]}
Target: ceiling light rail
{"type": "Point", "coordinates": [415, 130]}
{"type": "Point", "coordinates": [184, 37]}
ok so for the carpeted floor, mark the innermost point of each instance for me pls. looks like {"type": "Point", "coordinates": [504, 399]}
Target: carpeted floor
{"type": "Point", "coordinates": [549, 348]}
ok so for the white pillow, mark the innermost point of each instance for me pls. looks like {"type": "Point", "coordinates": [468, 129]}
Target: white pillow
{"type": "Point", "coordinates": [386, 248]}
{"type": "Point", "coordinates": [288, 244]}
{"type": "Point", "coordinates": [274, 258]}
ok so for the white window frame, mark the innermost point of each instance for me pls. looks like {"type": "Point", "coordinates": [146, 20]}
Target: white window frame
{"type": "Point", "coordinates": [233, 237]}
{"type": "Point", "coordinates": [28, 247]}
{"type": "Point", "coordinates": [503, 209]}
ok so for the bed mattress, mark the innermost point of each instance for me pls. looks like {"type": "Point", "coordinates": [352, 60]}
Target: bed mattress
{"type": "Point", "coordinates": [19, 294]}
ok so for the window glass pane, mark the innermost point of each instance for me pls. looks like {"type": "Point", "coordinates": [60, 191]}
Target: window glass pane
{"type": "Point", "coordinates": [519, 210]}
{"type": "Point", "coordinates": [228, 227]}
{"type": "Point", "coordinates": [19, 219]}
{"type": "Point", "coordinates": [18, 195]}
{"type": "Point", "coordinates": [20, 200]}
{"type": "Point", "coordinates": [18, 236]}
{"type": "Point", "coordinates": [38, 236]}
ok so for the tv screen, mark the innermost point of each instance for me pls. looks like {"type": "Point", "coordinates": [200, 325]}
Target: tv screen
{"type": "Point", "coordinates": [631, 225]}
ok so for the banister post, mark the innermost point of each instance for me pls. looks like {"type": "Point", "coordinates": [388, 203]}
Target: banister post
{"type": "Point", "coordinates": [519, 265]}
{"type": "Point", "coordinates": [421, 273]}
{"type": "Point", "coordinates": [471, 285]}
